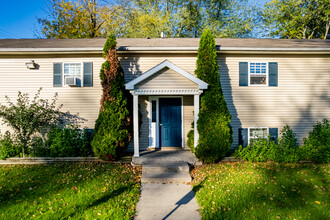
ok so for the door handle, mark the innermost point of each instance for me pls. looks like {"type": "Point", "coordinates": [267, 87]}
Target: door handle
{"type": "Point", "coordinates": [160, 125]}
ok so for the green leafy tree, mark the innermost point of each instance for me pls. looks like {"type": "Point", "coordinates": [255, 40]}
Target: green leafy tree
{"type": "Point", "coordinates": [26, 118]}
{"type": "Point", "coordinates": [148, 18]}
{"type": "Point", "coordinates": [215, 133]}
{"type": "Point", "coordinates": [112, 128]}
{"type": "Point", "coordinates": [303, 19]}
{"type": "Point", "coordinates": [67, 19]}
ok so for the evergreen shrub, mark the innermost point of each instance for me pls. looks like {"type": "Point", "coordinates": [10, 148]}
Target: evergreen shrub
{"type": "Point", "coordinates": [260, 150]}
{"type": "Point", "coordinates": [215, 133]}
{"type": "Point", "coordinates": [69, 142]}
{"type": "Point", "coordinates": [112, 128]}
{"type": "Point", "coordinates": [317, 144]}
{"type": "Point", "coordinates": [190, 141]}
{"type": "Point", "coordinates": [263, 149]}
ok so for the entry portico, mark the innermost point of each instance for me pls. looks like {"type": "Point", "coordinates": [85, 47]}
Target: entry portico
{"type": "Point", "coordinates": [165, 84]}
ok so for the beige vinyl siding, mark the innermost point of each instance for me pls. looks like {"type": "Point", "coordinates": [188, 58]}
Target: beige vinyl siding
{"type": "Point", "coordinates": [14, 77]}
{"type": "Point", "coordinates": [300, 99]}
{"type": "Point", "coordinates": [188, 116]}
{"type": "Point", "coordinates": [144, 126]}
{"type": "Point", "coordinates": [167, 79]}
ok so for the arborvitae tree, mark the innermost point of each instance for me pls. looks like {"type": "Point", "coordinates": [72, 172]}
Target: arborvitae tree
{"type": "Point", "coordinates": [215, 133]}
{"type": "Point", "coordinates": [112, 128]}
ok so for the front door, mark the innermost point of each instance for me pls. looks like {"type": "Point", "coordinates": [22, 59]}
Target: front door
{"type": "Point", "coordinates": [170, 122]}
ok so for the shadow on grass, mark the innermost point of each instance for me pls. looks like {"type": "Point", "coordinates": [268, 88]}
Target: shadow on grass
{"type": "Point", "coordinates": [282, 192]}
{"type": "Point", "coordinates": [25, 184]}
{"type": "Point", "coordinates": [81, 208]}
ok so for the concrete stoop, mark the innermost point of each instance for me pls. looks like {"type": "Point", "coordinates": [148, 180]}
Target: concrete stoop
{"type": "Point", "coordinates": [158, 157]}
{"type": "Point", "coordinates": [176, 172]}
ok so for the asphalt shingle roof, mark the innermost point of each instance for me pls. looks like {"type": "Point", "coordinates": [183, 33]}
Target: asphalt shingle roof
{"type": "Point", "coordinates": [163, 42]}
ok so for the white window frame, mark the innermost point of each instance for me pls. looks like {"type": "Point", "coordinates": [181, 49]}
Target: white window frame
{"type": "Point", "coordinates": [81, 73]}
{"type": "Point", "coordinates": [267, 74]}
{"type": "Point", "coordinates": [249, 137]}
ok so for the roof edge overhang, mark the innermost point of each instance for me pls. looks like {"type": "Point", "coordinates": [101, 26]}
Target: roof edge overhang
{"type": "Point", "coordinates": [165, 64]}
{"type": "Point", "coordinates": [193, 50]}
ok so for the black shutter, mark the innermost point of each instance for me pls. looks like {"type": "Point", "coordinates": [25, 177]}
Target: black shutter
{"type": "Point", "coordinates": [243, 137]}
{"type": "Point", "coordinates": [57, 72]}
{"type": "Point", "coordinates": [273, 133]}
{"type": "Point", "coordinates": [243, 73]}
{"type": "Point", "coordinates": [88, 74]}
{"type": "Point", "coordinates": [273, 73]}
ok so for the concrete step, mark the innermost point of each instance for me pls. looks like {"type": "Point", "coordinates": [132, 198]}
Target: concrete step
{"type": "Point", "coordinates": [166, 177]}
{"type": "Point", "coordinates": [165, 167]}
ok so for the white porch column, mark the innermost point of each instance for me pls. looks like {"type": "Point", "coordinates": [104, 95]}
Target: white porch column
{"type": "Point", "coordinates": [196, 111]}
{"type": "Point", "coordinates": [136, 124]}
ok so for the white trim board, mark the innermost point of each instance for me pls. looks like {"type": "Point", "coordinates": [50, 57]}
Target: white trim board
{"type": "Point", "coordinates": [131, 85]}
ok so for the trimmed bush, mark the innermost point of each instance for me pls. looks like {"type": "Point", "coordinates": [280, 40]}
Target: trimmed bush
{"type": "Point", "coordinates": [215, 133]}
{"type": "Point", "coordinates": [260, 150]}
{"type": "Point", "coordinates": [190, 141]}
{"type": "Point", "coordinates": [263, 149]}
{"type": "Point", "coordinates": [69, 142]}
{"type": "Point", "coordinates": [112, 128]}
{"type": "Point", "coordinates": [7, 146]}
{"type": "Point", "coordinates": [317, 145]}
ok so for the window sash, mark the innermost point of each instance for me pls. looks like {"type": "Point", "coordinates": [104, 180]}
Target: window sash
{"type": "Point", "coordinates": [73, 69]}
{"type": "Point", "coordinates": [257, 132]}
{"type": "Point", "coordinates": [258, 74]}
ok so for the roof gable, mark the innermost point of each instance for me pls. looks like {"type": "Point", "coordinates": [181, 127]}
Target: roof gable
{"type": "Point", "coordinates": [165, 64]}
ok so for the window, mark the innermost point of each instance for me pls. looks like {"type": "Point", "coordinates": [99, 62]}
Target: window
{"type": "Point", "coordinates": [255, 133]}
{"type": "Point", "coordinates": [73, 70]}
{"type": "Point", "coordinates": [258, 73]}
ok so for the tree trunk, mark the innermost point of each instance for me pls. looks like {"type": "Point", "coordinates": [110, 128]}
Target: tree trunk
{"type": "Point", "coordinates": [327, 24]}
{"type": "Point", "coordinates": [304, 33]}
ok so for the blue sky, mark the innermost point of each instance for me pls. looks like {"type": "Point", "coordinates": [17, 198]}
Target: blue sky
{"type": "Point", "coordinates": [18, 18]}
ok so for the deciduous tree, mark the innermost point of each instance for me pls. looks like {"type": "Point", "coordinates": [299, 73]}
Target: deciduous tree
{"type": "Point", "coordinates": [303, 19]}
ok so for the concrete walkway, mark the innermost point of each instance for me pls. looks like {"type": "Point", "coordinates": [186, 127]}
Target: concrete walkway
{"type": "Point", "coordinates": [165, 191]}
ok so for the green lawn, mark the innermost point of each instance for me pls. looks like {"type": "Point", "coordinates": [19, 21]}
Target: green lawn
{"type": "Point", "coordinates": [69, 190]}
{"type": "Point", "coordinates": [262, 191]}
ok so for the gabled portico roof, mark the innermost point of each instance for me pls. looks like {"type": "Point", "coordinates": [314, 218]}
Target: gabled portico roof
{"type": "Point", "coordinates": [166, 64]}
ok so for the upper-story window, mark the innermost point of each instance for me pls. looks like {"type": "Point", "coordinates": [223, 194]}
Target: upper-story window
{"type": "Point", "coordinates": [258, 73]}
{"type": "Point", "coordinates": [75, 74]}
{"type": "Point", "coordinates": [72, 73]}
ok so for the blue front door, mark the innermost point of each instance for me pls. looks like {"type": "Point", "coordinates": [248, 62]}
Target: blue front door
{"type": "Point", "coordinates": [170, 122]}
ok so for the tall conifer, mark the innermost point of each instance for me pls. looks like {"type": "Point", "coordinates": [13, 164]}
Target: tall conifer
{"type": "Point", "coordinates": [112, 128]}
{"type": "Point", "coordinates": [215, 133]}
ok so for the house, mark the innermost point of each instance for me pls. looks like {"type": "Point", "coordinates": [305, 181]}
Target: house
{"type": "Point", "coordinates": [267, 83]}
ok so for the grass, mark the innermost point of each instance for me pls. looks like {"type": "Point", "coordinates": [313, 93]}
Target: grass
{"type": "Point", "coordinates": [69, 191]}
{"type": "Point", "coordinates": [262, 191]}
